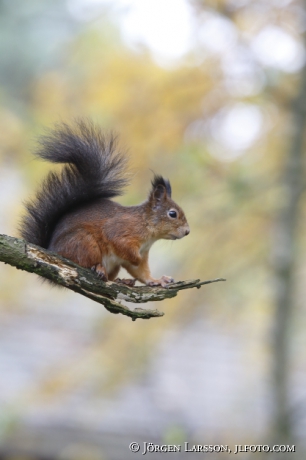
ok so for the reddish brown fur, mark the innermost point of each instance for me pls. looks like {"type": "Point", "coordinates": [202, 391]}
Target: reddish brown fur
{"type": "Point", "coordinates": [105, 235]}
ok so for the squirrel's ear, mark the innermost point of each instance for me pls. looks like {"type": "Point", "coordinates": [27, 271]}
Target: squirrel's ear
{"type": "Point", "coordinates": [160, 187]}
{"type": "Point", "coordinates": [158, 193]}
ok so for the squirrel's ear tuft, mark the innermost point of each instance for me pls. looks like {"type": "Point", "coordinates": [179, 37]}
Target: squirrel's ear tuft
{"type": "Point", "coordinates": [161, 184]}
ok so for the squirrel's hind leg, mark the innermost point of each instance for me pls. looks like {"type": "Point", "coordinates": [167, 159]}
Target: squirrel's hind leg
{"type": "Point", "coordinates": [82, 248]}
{"type": "Point", "coordinates": [100, 271]}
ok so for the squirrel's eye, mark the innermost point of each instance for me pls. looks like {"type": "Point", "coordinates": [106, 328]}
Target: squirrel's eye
{"type": "Point", "coordinates": [172, 214]}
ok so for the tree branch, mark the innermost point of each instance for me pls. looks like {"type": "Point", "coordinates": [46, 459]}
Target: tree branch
{"type": "Point", "coordinates": [64, 272]}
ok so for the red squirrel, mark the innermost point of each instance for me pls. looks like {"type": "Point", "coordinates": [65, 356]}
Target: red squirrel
{"type": "Point", "coordinates": [73, 215]}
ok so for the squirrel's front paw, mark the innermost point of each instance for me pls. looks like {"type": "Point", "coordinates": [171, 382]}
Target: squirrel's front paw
{"type": "Point", "coordinates": [163, 281]}
{"type": "Point", "coordinates": [166, 280]}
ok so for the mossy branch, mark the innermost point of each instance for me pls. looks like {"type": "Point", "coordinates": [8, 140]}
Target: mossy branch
{"type": "Point", "coordinates": [34, 259]}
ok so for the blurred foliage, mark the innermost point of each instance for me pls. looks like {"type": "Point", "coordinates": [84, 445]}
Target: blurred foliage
{"type": "Point", "coordinates": [170, 121]}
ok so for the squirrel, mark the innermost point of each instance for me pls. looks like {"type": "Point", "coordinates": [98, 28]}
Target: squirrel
{"type": "Point", "coordinates": [73, 215]}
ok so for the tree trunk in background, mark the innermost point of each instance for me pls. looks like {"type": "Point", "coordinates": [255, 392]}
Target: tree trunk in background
{"type": "Point", "coordinates": [283, 260]}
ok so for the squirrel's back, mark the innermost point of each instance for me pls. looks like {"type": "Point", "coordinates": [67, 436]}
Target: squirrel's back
{"type": "Point", "coordinates": [93, 169]}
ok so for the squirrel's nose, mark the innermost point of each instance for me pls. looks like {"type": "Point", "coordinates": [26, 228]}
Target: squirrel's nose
{"type": "Point", "coordinates": [187, 232]}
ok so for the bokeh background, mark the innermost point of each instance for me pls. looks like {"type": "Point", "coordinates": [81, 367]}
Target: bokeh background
{"type": "Point", "coordinates": [212, 94]}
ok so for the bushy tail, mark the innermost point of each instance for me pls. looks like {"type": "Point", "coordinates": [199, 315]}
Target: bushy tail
{"type": "Point", "coordinates": [93, 170]}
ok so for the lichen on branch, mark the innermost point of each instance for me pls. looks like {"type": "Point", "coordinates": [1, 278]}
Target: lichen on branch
{"type": "Point", "coordinates": [64, 272]}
